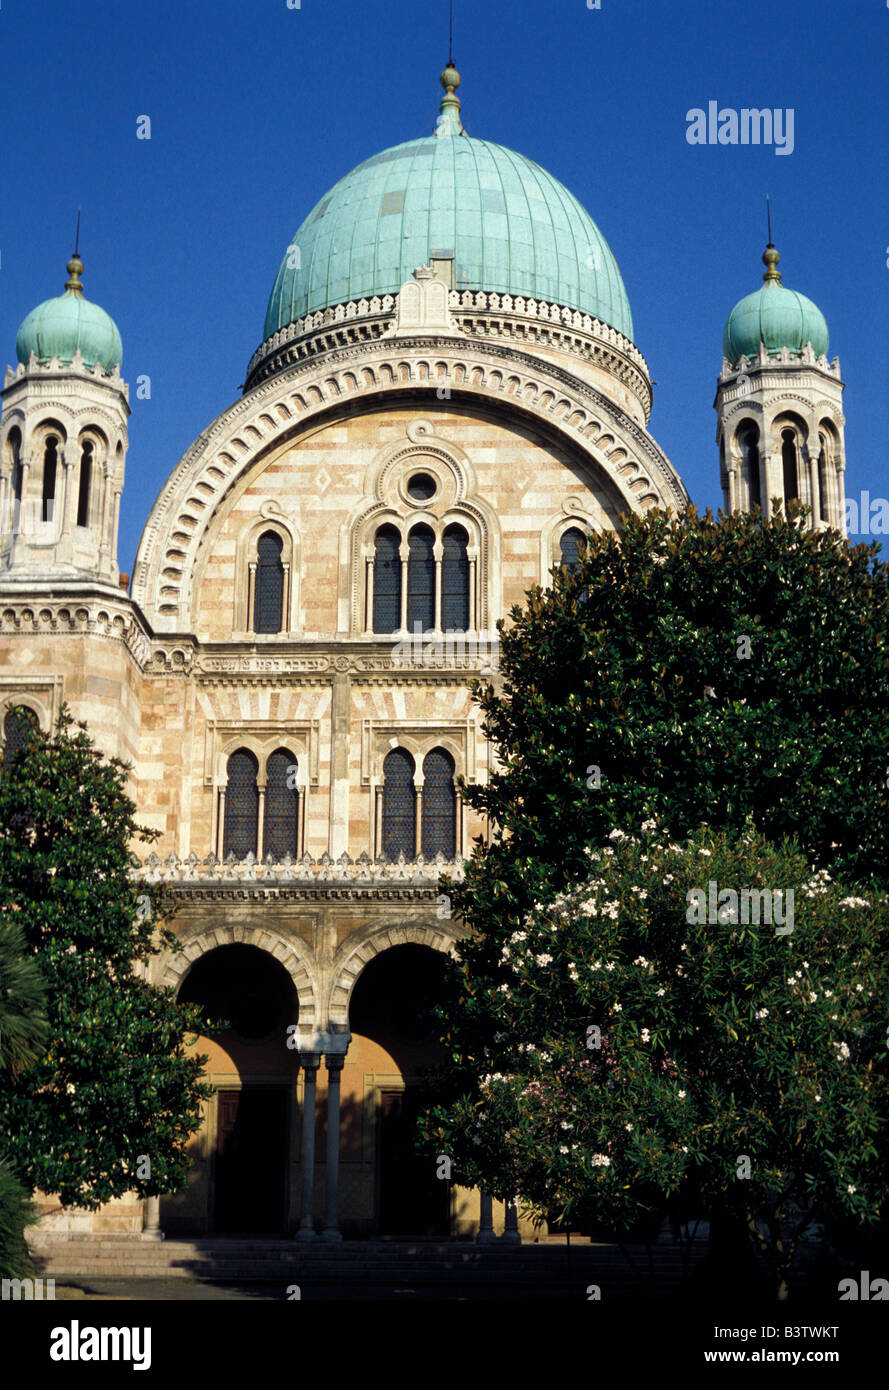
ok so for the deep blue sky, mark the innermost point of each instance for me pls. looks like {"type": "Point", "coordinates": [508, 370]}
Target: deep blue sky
{"type": "Point", "coordinates": [258, 109]}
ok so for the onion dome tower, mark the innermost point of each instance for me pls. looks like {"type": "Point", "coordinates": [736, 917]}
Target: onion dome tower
{"type": "Point", "coordinates": [779, 405]}
{"type": "Point", "coordinates": [63, 441]}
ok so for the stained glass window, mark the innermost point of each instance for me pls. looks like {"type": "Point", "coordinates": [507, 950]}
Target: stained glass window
{"type": "Point", "coordinates": [421, 580]}
{"type": "Point", "coordinates": [439, 829]}
{"type": "Point", "coordinates": [17, 727]}
{"type": "Point", "coordinates": [569, 547]}
{"type": "Point", "coordinates": [455, 581]}
{"type": "Point", "coordinates": [399, 805]}
{"type": "Point", "coordinates": [387, 580]}
{"type": "Point", "coordinates": [241, 805]}
{"type": "Point", "coordinates": [279, 836]}
{"type": "Point", "coordinates": [268, 604]}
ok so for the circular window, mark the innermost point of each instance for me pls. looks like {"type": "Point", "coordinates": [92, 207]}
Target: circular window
{"type": "Point", "coordinates": [421, 486]}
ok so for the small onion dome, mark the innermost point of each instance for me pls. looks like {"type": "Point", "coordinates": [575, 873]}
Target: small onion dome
{"type": "Point", "coordinates": [69, 323]}
{"type": "Point", "coordinates": [773, 315]}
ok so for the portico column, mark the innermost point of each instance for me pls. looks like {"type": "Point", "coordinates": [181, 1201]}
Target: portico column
{"type": "Point", "coordinates": [486, 1220]}
{"type": "Point", "coordinates": [309, 1062]}
{"type": "Point", "coordinates": [334, 1062]}
{"type": "Point", "coordinates": [369, 594]}
{"type": "Point", "coordinates": [511, 1224]}
{"type": "Point", "coordinates": [814, 493]}
{"type": "Point", "coordinates": [220, 829]}
{"type": "Point", "coordinates": [260, 825]}
{"type": "Point", "coordinates": [251, 594]}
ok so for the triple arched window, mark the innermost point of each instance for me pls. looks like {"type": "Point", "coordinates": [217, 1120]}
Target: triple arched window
{"type": "Point", "coordinates": [418, 815]}
{"type": "Point", "coordinates": [423, 585]}
{"type": "Point", "coordinates": [261, 814]}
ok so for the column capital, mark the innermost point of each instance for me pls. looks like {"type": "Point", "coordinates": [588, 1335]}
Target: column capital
{"type": "Point", "coordinates": [310, 1061]}
{"type": "Point", "coordinates": [334, 1061]}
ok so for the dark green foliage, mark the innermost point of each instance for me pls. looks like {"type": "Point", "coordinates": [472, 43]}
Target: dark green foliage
{"type": "Point", "coordinates": [611, 667]}
{"type": "Point", "coordinates": [115, 1083]}
{"type": "Point", "coordinates": [16, 1213]}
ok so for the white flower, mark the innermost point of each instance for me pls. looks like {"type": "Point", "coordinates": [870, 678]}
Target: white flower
{"type": "Point", "coordinates": [543, 959]}
{"type": "Point", "coordinates": [859, 988]}
{"type": "Point", "coordinates": [546, 1057]}
{"type": "Point", "coordinates": [617, 1008]}
{"type": "Point", "coordinates": [812, 996]}
{"type": "Point", "coordinates": [762, 1013]}
{"type": "Point", "coordinates": [640, 892]}
{"type": "Point", "coordinates": [572, 973]}
{"type": "Point", "coordinates": [505, 953]}
{"type": "Point", "coordinates": [649, 825]}
{"type": "Point", "coordinates": [682, 1095]}
{"type": "Point", "coordinates": [629, 1127]}
{"type": "Point", "coordinates": [828, 994]}
{"type": "Point", "coordinates": [519, 936]}
{"type": "Point", "coordinates": [705, 852]}
{"type": "Point", "coordinates": [475, 1139]}
{"type": "Point", "coordinates": [684, 946]}
{"type": "Point", "coordinates": [684, 1149]}
{"type": "Point", "coordinates": [610, 965]}
{"type": "Point", "coordinates": [854, 902]}
{"type": "Point", "coordinates": [668, 879]}
{"type": "Point", "coordinates": [662, 991]}
{"type": "Point", "coordinates": [611, 909]}
{"type": "Point", "coordinates": [640, 960]}
{"type": "Point", "coordinates": [601, 1161]}
{"type": "Point", "coordinates": [679, 970]}
{"type": "Point", "coordinates": [502, 989]}
{"type": "Point", "coordinates": [617, 835]}
{"type": "Point", "coordinates": [646, 1036]}
{"type": "Point", "coordinates": [842, 1051]}
{"type": "Point", "coordinates": [588, 907]}
{"type": "Point", "coordinates": [818, 1097]}
{"type": "Point", "coordinates": [851, 1188]}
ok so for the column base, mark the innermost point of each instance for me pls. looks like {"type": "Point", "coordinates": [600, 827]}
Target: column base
{"type": "Point", "coordinates": [305, 1233]}
{"type": "Point", "coordinates": [510, 1238]}
{"type": "Point", "coordinates": [486, 1238]}
{"type": "Point", "coordinates": [331, 1233]}
{"type": "Point", "coordinates": [151, 1235]}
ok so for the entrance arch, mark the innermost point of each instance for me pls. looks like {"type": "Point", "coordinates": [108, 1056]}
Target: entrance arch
{"type": "Point", "coordinates": [249, 1002]}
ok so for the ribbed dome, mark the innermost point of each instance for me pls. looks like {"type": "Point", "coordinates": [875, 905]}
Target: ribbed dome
{"type": "Point", "coordinates": [69, 323]}
{"type": "Point", "coordinates": [510, 226]}
{"type": "Point", "coordinates": [775, 316]}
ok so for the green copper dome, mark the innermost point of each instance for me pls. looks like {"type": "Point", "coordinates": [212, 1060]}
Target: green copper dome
{"type": "Point", "coordinates": [775, 316]}
{"type": "Point", "coordinates": [60, 327]}
{"type": "Point", "coordinates": [509, 226]}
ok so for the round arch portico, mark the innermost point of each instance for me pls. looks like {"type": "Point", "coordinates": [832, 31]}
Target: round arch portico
{"type": "Point", "coordinates": [290, 952]}
{"type": "Point", "coordinates": [355, 954]}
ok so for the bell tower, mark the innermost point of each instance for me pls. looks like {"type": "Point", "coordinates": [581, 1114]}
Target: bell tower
{"type": "Point", "coordinates": [63, 442]}
{"type": "Point", "coordinates": [780, 427]}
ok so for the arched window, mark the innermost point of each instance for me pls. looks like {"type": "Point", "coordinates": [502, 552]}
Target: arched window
{"type": "Point", "coordinates": [241, 805]}
{"type": "Point", "coordinates": [455, 581]}
{"type": "Point", "coordinates": [268, 605]}
{"type": "Point", "coordinates": [387, 580]}
{"type": "Point", "coordinates": [281, 821]}
{"type": "Point", "coordinates": [399, 805]}
{"type": "Point", "coordinates": [86, 475]}
{"type": "Point", "coordinates": [50, 459]}
{"type": "Point", "coordinates": [788, 459]}
{"type": "Point", "coordinates": [439, 831]}
{"type": "Point", "coordinates": [748, 443]}
{"type": "Point", "coordinates": [421, 580]}
{"type": "Point", "coordinates": [18, 726]}
{"type": "Point", "coordinates": [568, 547]}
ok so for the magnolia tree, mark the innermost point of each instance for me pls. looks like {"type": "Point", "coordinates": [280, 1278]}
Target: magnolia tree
{"type": "Point", "coordinates": [703, 1025]}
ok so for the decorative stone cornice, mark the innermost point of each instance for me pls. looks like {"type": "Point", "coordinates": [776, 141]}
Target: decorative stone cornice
{"type": "Point", "coordinates": [583, 417]}
{"type": "Point", "coordinates": [476, 314]}
{"type": "Point", "coordinates": [31, 608]}
{"type": "Point", "coordinates": [211, 879]}
{"type": "Point", "coordinates": [55, 371]}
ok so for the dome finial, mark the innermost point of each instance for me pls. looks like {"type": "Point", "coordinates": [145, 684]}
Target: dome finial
{"type": "Point", "coordinates": [449, 122]}
{"type": "Point", "coordinates": [770, 257]}
{"type": "Point", "coordinates": [75, 265]}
